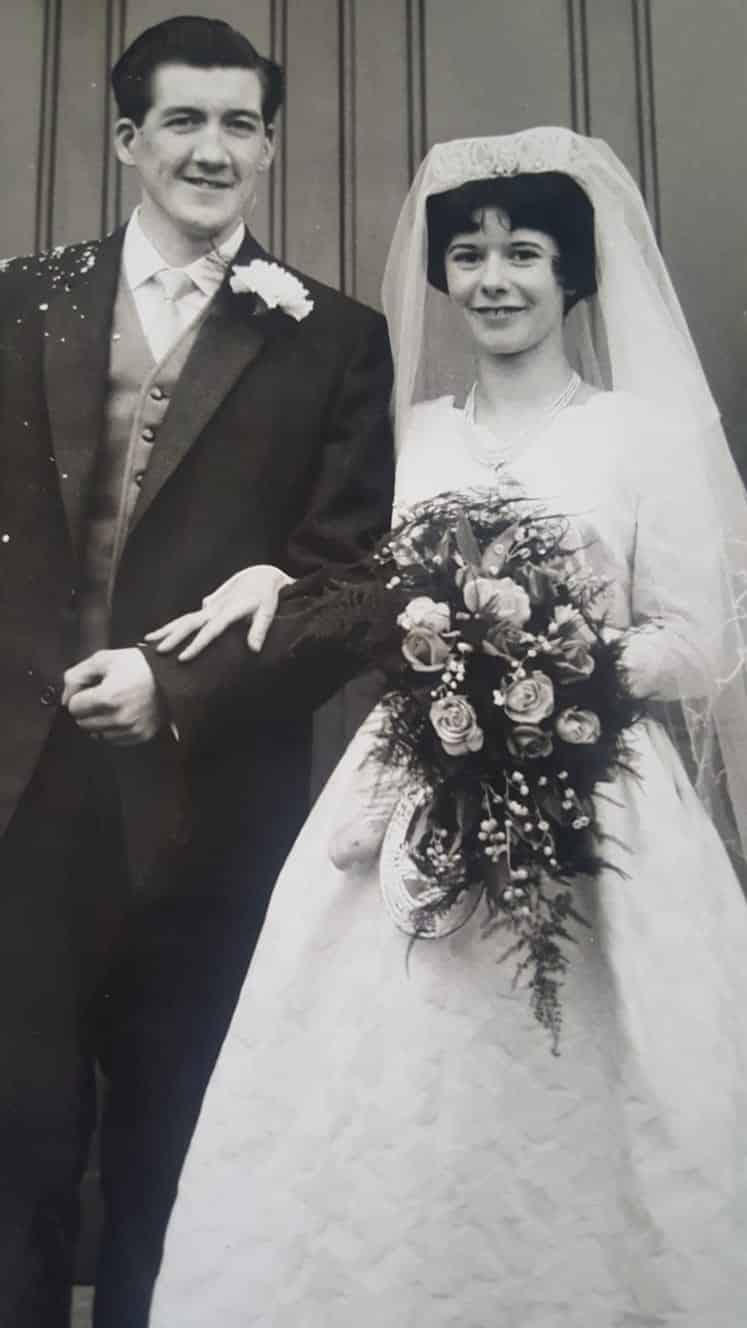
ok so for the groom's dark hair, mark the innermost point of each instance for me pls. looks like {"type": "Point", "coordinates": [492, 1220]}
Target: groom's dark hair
{"type": "Point", "coordinates": [205, 43]}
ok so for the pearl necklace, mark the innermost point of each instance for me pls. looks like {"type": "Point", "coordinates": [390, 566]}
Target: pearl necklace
{"type": "Point", "coordinates": [496, 457]}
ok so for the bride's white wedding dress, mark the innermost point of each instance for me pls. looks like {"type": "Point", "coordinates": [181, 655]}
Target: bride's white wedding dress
{"type": "Point", "coordinates": [389, 1143]}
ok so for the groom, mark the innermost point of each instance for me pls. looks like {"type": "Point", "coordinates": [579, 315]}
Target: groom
{"type": "Point", "coordinates": [162, 426]}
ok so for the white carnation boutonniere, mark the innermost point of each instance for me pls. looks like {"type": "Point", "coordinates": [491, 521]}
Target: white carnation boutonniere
{"type": "Point", "coordinates": [276, 288]}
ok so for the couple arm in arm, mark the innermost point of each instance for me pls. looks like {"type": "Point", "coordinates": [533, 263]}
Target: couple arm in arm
{"type": "Point", "coordinates": [209, 670]}
{"type": "Point", "coordinates": [227, 682]}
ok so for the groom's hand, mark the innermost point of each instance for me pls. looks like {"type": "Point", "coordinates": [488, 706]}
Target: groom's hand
{"type": "Point", "coordinates": [113, 695]}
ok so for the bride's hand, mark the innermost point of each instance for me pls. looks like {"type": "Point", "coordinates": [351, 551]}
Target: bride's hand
{"type": "Point", "coordinates": [250, 595]}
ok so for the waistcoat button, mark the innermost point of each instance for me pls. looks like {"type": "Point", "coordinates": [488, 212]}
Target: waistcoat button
{"type": "Point", "coordinates": [50, 696]}
{"type": "Point", "coordinates": [138, 477]}
{"type": "Point", "coordinates": [148, 435]}
{"type": "Point", "coordinates": [157, 394]}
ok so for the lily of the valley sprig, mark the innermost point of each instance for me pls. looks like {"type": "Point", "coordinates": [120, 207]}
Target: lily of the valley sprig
{"type": "Point", "coordinates": [274, 285]}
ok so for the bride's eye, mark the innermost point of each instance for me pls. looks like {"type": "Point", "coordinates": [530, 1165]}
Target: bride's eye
{"type": "Point", "coordinates": [523, 254]}
{"type": "Point", "coordinates": [465, 257]}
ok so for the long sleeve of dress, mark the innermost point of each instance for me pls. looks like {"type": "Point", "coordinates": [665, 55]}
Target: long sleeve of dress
{"type": "Point", "coordinates": [677, 600]}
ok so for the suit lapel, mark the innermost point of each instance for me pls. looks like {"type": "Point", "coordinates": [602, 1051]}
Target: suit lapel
{"type": "Point", "coordinates": [76, 366]}
{"type": "Point", "coordinates": [228, 341]}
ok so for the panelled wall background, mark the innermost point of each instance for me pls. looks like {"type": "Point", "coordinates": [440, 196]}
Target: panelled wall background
{"type": "Point", "coordinates": [372, 83]}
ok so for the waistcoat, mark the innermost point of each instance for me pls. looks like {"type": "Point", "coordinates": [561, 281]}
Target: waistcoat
{"type": "Point", "coordinates": [138, 394]}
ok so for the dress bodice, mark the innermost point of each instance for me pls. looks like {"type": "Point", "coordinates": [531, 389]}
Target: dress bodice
{"type": "Point", "coordinates": [606, 465]}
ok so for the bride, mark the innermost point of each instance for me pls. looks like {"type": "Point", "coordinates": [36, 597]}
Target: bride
{"type": "Point", "coordinates": [388, 1140]}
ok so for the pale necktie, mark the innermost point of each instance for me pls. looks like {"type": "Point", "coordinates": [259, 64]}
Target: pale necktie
{"type": "Point", "coordinates": [174, 284]}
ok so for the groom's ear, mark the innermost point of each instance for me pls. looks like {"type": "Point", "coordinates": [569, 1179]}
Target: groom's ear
{"type": "Point", "coordinates": [125, 133]}
{"type": "Point", "coordinates": [268, 151]}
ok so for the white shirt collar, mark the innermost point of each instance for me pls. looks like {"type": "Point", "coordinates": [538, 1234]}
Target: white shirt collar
{"type": "Point", "coordinates": [141, 260]}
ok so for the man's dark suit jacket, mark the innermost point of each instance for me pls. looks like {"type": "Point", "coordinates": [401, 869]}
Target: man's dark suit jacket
{"type": "Point", "coordinates": [276, 448]}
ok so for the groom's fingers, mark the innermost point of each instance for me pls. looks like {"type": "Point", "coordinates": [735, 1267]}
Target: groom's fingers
{"type": "Point", "coordinates": [84, 674]}
{"type": "Point", "coordinates": [90, 708]}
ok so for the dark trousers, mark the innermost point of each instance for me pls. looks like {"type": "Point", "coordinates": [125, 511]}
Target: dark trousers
{"type": "Point", "coordinates": [142, 984]}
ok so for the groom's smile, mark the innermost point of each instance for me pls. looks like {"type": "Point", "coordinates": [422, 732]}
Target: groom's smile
{"type": "Point", "coordinates": [201, 183]}
{"type": "Point", "coordinates": [198, 152]}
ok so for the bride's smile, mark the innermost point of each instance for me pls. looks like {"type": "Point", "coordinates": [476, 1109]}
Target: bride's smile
{"type": "Point", "coordinates": [497, 313]}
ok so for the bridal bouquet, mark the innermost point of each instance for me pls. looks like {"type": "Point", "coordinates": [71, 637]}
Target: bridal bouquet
{"type": "Point", "coordinates": [508, 705]}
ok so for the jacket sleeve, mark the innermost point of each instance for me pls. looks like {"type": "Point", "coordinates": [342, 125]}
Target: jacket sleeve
{"type": "Point", "coordinates": [350, 503]}
{"type": "Point", "coordinates": [349, 506]}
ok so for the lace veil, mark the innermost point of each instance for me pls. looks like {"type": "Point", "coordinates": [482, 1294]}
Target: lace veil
{"type": "Point", "coordinates": [631, 336]}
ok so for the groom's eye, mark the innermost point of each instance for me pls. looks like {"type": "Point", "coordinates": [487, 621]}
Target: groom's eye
{"type": "Point", "coordinates": [243, 126]}
{"type": "Point", "coordinates": [184, 120]}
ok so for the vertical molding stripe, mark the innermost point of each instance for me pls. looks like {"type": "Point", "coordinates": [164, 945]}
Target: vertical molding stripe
{"type": "Point", "coordinates": [347, 144]}
{"type": "Point", "coordinates": [312, 148]}
{"type": "Point", "coordinates": [111, 192]}
{"type": "Point", "coordinates": [279, 172]}
{"type": "Point", "coordinates": [646, 108]}
{"type": "Point", "coordinates": [416, 85]}
{"type": "Point", "coordinates": [106, 220]}
{"type": "Point", "coordinates": [578, 51]}
{"type": "Point", "coordinates": [45, 169]}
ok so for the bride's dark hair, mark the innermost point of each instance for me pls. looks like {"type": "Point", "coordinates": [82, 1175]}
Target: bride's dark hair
{"type": "Point", "coordinates": [547, 201]}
